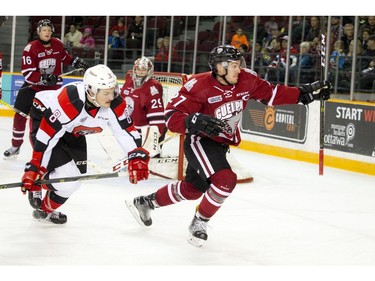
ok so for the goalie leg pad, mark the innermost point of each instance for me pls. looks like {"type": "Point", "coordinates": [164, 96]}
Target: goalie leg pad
{"type": "Point", "coordinates": [150, 139]}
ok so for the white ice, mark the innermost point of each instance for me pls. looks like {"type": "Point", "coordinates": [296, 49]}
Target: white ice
{"type": "Point", "coordinates": [288, 216]}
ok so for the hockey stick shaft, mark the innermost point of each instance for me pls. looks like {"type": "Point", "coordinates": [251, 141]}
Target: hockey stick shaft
{"type": "Point", "coordinates": [66, 179]}
{"type": "Point", "coordinates": [14, 109]}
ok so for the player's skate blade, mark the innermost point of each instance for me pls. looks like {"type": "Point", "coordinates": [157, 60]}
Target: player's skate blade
{"type": "Point", "coordinates": [134, 211]}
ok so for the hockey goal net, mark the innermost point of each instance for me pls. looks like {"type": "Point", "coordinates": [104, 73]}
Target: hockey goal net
{"type": "Point", "coordinates": [172, 164]}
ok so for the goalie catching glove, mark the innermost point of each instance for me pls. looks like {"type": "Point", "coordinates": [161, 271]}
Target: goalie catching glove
{"type": "Point", "coordinates": [204, 125]}
{"type": "Point", "coordinates": [314, 91]}
{"type": "Point", "coordinates": [138, 165]}
{"type": "Point", "coordinates": [80, 63]}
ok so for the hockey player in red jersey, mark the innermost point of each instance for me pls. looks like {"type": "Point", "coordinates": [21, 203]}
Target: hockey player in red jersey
{"type": "Point", "coordinates": [208, 110]}
{"type": "Point", "coordinates": [42, 61]}
{"type": "Point", "coordinates": [144, 98]}
{"type": "Point", "coordinates": [60, 120]}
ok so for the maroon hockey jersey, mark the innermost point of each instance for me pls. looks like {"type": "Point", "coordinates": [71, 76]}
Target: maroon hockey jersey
{"type": "Point", "coordinates": [38, 59]}
{"type": "Point", "coordinates": [145, 104]}
{"type": "Point", "coordinates": [203, 93]}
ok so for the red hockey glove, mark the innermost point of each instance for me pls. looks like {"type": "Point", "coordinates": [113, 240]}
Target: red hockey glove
{"type": "Point", "coordinates": [31, 175]}
{"type": "Point", "coordinates": [138, 165]}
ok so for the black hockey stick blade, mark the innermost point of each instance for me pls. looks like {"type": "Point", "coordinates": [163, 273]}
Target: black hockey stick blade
{"type": "Point", "coordinates": [66, 179]}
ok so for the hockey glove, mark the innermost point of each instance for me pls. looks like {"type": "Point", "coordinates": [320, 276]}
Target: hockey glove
{"type": "Point", "coordinates": [204, 125]}
{"type": "Point", "coordinates": [80, 63]}
{"type": "Point", "coordinates": [138, 165]}
{"type": "Point", "coordinates": [31, 175]}
{"type": "Point", "coordinates": [321, 89]}
{"type": "Point", "coordinates": [49, 79]}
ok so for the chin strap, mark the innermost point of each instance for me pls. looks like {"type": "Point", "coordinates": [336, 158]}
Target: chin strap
{"type": "Point", "coordinates": [223, 77]}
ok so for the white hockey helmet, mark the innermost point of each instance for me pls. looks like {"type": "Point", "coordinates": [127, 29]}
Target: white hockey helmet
{"type": "Point", "coordinates": [43, 23]}
{"type": "Point", "coordinates": [99, 77]}
{"type": "Point", "coordinates": [146, 65]}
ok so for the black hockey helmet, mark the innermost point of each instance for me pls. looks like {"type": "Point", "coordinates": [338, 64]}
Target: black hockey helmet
{"type": "Point", "coordinates": [224, 53]}
{"type": "Point", "coordinates": [43, 23]}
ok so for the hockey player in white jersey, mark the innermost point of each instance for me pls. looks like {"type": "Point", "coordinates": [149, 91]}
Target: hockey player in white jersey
{"type": "Point", "coordinates": [60, 120]}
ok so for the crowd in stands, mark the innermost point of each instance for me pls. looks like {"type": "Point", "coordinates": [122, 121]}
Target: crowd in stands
{"type": "Point", "coordinates": [271, 44]}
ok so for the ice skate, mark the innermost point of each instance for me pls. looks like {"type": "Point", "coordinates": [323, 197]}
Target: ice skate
{"type": "Point", "coordinates": [198, 231]}
{"type": "Point", "coordinates": [141, 208]}
{"type": "Point", "coordinates": [11, 152]}
{"type": "Point", "coordinates": [54, 217]}
{"type": "Point", "coordinates": [35, 198]}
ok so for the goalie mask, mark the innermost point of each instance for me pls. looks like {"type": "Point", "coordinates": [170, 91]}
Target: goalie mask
{"type": "Point", "coordinates": [43, 23]}
{"type": "Point", "coordinates": [224, 54]}
{"type": "Point", "coordinates": [99, 77]}
{"type": "Point", "coordinates": [143, 70]}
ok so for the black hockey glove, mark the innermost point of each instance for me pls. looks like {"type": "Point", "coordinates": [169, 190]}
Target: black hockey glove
{"type": "Point", "coordinates": [49, 79]}
{"type": "Point", "coordinates": [80, 63]}
{"type": "Point", "coordinates": [307, 95]}
{"type": "Point", "coordinates": [204, 125]}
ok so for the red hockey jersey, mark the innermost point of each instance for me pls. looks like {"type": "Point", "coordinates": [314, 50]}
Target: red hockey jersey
{"type": "Point", "coordinates": [38, 59]}
{"type": "Point", "coordinates": [203, 93]}
{"type": "Point", "coordinates": [145, 104]}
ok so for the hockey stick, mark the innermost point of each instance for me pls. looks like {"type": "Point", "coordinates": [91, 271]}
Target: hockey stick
{"type": "Point", "coordinates": [66, 179]}
{"type": "Point", "coordinates": [14, 109]}
{"type": "Point", "coordinates": [40, 83]}
{"type": "Point", "coordinates": [322, 102]}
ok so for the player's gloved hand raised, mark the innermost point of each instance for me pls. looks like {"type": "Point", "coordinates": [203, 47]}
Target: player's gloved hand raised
{"type": "Point", "coordinates": [314, 91]}
{"type": "Point", "coordinates": [138, 164]}
{"type": "Point", "coordinates": [49, 79]}
{"type": "Point", "coordinates": [80, 63]}
{"type": "Point", "coordinates": [204, 125]}
{"type": "Point", "coordinates": [31, 175]}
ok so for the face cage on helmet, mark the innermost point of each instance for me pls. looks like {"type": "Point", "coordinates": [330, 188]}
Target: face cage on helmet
{"type": "Point", "coordinates": [139, 80]}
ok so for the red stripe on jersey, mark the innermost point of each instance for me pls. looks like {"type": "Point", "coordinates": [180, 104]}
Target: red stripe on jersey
{"type": "Point", "coordinates": [45, 127]}
{"type": "Point", "coordinates": [119, 108]}
{"type": "Point", "coordinates": [65, 104]}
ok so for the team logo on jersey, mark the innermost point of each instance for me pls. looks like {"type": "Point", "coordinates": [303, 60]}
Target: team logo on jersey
{"type": "Point", "coordinates": [153, 91]}
{"type": "Point", "coordinates": [229, 109]}
{"type": "Point", "coordinates": [215, 99]}
{"type": "Point", "coordinates": [188, 85]}
{"type": "Point", "coordinates": [129, 105]}
{"type": "Point", "coordinates": [83, 130]}
{"type": "Point", "coordinates": [27, 48]}
{"type": "Point", "coordinates": [47, 65]}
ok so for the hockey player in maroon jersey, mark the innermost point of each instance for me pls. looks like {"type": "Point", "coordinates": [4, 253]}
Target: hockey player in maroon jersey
{"type": "Point", "coordinates": [60, 120]}
{"type": "Point", "coordinates": [144, 98]}
{"type": "Point", "coordinates": [208, 110]}
{"type": "Point", "coordinates": [42, 61]}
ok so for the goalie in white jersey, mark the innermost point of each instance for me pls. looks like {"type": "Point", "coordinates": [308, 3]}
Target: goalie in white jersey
{"type": "Point", "coordinates": [60, 120]}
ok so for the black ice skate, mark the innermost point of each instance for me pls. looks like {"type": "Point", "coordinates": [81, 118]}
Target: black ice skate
{"type": "Point", "coordinates": [54, 217]}
{"type": "Point", "coordinates": [198, 231]}
{"type": "Point", "coordinates": [11, 152]}
{"type": "Point", "coordinates": [35, 198]}
{"type": "Point", "coordinates": [141, 208]}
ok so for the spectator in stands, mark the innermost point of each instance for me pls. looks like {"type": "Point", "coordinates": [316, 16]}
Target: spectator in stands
{"type": "Point", "coordinates": [121, 27]}
{"type": "Point", "coordinates": [370, 24]}
{"type": "Point", "coordinates": [347, 36]}
{"type": "Point", "coordinates": [73, 37]}
{"type": "Point", "coordinates": [364, 37]}
{"type": "Point", "coordinates": [367, 63]}
{"type": "Point", "coordinates": [303, 72]}
{"type": "Point", "coordinates": [300, 28]}
{"type": "Point", "coordinates": [87, 41]}
{"type": "Point", "coordinates": [337, 57]}
{"type": "Point", "coordinates": [135, 37]}
{"type": "Point", "coordinates": [275, 68]}
{"type": "Point", "coordinates": [161, 58]}
{"type": "Point", "coordinates": [314, 30]}
{"type": "Point", "coordinates": [115, 41]}
{"type": "Point", "coordinates": [240, 39]}
{"type": "Point", "coordinates": [346, 77]}
{"type": "Point", "coordinates": [337, 30]}
{"type": "Point", "coordinates": [275, 34]}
